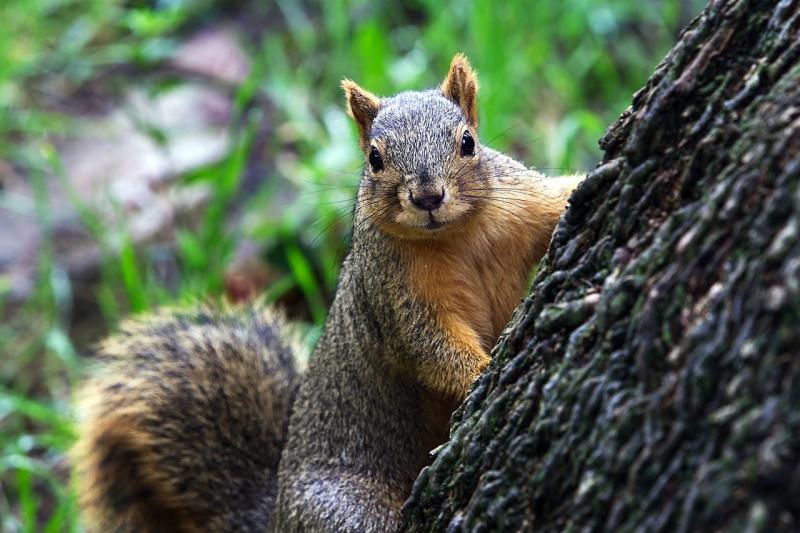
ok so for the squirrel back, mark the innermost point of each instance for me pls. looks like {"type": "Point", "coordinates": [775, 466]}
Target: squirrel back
{"type": "Point", "coordinates": [183, 426]}
{"type": "Point", "coordinates": [187, 424]}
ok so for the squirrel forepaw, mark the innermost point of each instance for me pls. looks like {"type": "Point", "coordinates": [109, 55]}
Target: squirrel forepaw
{"type": "Point", "coordinates": [456, 379]}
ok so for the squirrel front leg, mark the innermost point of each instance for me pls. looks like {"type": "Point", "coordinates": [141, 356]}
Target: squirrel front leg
{"type": "Point", "coordinates": [446, 353]}
{"type": "Point", "coordinates": [453, 367]}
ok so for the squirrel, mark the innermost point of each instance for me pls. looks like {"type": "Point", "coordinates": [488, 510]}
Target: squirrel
{"type": "Point", "coordinates": [200, 420]}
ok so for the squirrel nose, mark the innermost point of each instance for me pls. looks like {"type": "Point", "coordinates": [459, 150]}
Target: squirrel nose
{"type": "Point", "coordinates": [427, 200]}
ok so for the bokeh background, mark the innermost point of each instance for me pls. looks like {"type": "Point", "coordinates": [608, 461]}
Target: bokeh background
{"type": "Point", "coordinates": [164, 151]}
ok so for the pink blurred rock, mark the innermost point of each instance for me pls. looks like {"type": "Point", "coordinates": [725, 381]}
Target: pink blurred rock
{"type": "Point", "coordinates": [122, 172]}
{"type": "Point", "coordinates": [214, 53]}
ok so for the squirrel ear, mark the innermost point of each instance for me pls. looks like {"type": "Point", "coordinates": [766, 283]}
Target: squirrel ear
{"type": "Point", "coordinates": [363, 106]}
{"type": "Point", "coordinates": [461, 86]}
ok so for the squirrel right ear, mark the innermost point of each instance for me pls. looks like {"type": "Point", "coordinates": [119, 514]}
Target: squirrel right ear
{"type": "Point", "coordinates": [363, 106]}
{"type": "Point", "coordinates": [461, 86]}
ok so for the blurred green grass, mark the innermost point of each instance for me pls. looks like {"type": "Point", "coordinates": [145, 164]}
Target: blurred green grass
{"type": "Point", "coordinates": [553, 76]}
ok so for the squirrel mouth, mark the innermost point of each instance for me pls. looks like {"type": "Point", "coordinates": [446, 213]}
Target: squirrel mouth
{"type": "Point", "coordinates": [433, 223]}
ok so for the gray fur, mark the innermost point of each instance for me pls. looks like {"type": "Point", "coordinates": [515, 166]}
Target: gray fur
{"type": "Point", "coordinates": [416, 130]}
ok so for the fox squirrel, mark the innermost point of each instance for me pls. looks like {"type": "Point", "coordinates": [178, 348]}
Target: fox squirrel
{"type": "Point", "coordinates": [193, 424]}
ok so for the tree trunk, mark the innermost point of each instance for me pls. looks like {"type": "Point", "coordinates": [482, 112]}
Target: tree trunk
{"type": "Point", "coordinates": [652, 378]}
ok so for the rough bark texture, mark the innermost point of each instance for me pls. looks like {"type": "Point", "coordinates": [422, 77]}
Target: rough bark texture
{"type": "Point", "coordinates": [652, 379]}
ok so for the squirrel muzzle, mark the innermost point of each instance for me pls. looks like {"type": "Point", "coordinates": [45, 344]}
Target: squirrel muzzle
{"type": "Point", "coordinates": [428, 206]}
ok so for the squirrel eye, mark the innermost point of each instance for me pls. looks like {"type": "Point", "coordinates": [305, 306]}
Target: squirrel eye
{"type": "Point", "coordinates": [375, 160]}
{"type": "Point", "coordinates": [467, 144]}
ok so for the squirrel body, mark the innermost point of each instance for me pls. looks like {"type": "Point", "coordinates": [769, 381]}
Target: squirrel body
{"type": "Point", "coordinates": [446, 233]}
{"type": "Point", "coordinates": [434, 313]}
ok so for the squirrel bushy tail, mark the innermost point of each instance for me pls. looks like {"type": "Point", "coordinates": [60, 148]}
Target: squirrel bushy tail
{"type": "Point", "coordinates": [183, 427]}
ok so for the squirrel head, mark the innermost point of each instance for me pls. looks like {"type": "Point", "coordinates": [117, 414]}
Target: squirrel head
{"type": "Point", "coordinates": [422, 155]}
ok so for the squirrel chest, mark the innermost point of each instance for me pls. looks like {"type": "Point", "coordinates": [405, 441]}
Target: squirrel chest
{"type": "Point", "coordinates": [473, 281]}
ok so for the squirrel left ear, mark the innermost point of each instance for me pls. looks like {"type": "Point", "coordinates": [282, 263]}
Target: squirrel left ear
{"type": "Point", "coordinates": [461, 86]}
{"type": "Point", "coordinates": [363, 106]}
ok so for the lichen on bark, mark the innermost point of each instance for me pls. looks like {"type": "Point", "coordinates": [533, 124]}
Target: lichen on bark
{"type": "Point", "coordinates": [651, 380]}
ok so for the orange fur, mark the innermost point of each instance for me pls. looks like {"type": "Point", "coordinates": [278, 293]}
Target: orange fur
{"type": "Point", "coordinates": [474, 276]}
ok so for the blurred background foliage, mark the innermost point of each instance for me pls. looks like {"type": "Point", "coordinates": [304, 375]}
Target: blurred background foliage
{"type": "Point", "coordinates": [271, 216]}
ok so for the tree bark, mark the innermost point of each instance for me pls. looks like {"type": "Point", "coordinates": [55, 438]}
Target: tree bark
{"type": "Point", "coordinates": [651, 381]}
